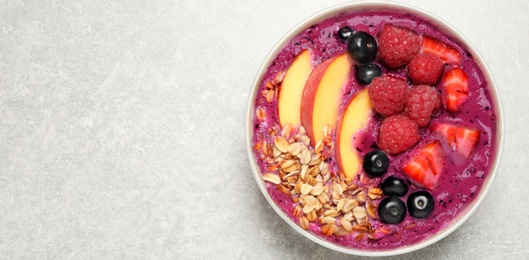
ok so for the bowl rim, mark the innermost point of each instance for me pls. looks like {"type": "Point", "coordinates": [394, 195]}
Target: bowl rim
{"type": "Point", "coordinates": [447, 28]}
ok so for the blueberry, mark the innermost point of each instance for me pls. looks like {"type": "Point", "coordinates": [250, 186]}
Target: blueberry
{"type": "Point", "coordinates": [393, 186]}
{"type": "Point", "coordinates": [420, 204]}
{"type": "Point", "coordinates": [365, 73]}
{"type": "Point", "coordinates": [362, 47]}
{"type": "Point", "coordinates": [376, 163]}
{"type": "Point", "coordinates": [345, 32]}
{"type": "Point", "coordinates": [391, 210]}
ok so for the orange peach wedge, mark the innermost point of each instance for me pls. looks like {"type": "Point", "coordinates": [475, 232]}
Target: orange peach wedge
{"type": "Point", "coordinates": [289, 100]}
{"type": "Point", "coordinates": [356, 116]}
{"type": "Point", "coordinates": [323, 94]}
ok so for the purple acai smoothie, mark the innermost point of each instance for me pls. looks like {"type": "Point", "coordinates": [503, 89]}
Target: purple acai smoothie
{"type": "Point", "coordinates": [334, 195]}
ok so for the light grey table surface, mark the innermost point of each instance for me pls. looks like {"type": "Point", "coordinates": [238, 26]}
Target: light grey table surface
{"type": "Point", "coordinates": [122, 130]}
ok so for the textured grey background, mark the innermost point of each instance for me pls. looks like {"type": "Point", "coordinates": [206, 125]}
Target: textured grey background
{"type": "Point", "coordinates": [121, 130]}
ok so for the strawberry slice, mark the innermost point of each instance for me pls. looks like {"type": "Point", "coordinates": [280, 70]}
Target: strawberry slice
{"type": "Point", "coordinates": [447, 53]}
{"type": "Point", "coordinates": [426, 167]}
{"type": "Point", "coordinates": [460, 139]}
{"type": "Point", "coordinates": [455, 88]}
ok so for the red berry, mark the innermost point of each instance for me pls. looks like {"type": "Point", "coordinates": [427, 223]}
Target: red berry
{"type": "Point", "coordinates": [397, 45]}
{"type": "Point", "coordinates": [426, 166]}
{"type": "Point", "coordinates": [447, 53]}
{"type": "Point", "coordinates": [421, 103]}
{"type": "Point", "coordinates": [388, 94]}
{"type": "Point", "coordinates": [459, 139]}
{"type": "Point", "coordinates": [425, 68]}
{"type": "Point", "coordinates": [455, 89]}
{"type": "Point", "coordinates": [397, 134]}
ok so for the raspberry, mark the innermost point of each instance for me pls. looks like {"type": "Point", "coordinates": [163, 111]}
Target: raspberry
{"type": "Point", "coordinates": [388, 94]}
{"type": "Point", "coordinates": [425, 68]}
{"type": "Point", "coordinates": [397, 134]}
{"type": "Point", "coordinates": [397, 46]}
{"type": "Point", "coordinates": [421, 103]}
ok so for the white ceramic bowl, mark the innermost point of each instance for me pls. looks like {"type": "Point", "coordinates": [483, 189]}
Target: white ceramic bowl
{"type": "Point", "coordinates": [362, 6]}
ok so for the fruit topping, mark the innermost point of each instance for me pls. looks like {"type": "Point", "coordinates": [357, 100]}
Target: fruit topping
{"type": "Point", "coordinates": [397, 134]}
{"type": "Point", "coordinates": [365, 73]}
{"type": "Point", "coordinates": [446, 53]}
{"type": "Point", "coordinates": [388, 94]}
{"type": "Point", "coordinates": [391, 210]}
{"type": "Point", "coordinates": [425, 68]}
{"type": "Point", "coordinates": [345, 32]}
{"type": "Point", "coordinates": [426, 166]}
{"type": "Point", "coordinates": [420, 204]}
{"type": "Point", "coordinates": [355, 118]}
{"type": "Point", "coordinates": [322, 95]}
{"type": "Point", "coordinates": [376, 163]}
{"type": "Point", "coordinates": [290, 93]}
{"type": "Point", "coordinates": [422, 102]}
{"type": "Point", "coordinates": [397, 45]}
{"type": "Point", "coordinates": [460, 139]}
{"type": "Point", "coordinates": [362, 47]}
{"type": "Point", "coordinates": [393, 186]}
{"type": "Point", "coordinates": [456, 89]}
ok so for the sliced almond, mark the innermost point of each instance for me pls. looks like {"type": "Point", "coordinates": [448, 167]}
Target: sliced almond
{"type": "Point", "coordinates": [327, 220]}
{"type": "Point", "coordinates": [279, 76]}
{"type": "Point", "coordinates": [261, 114]}
{"type": "Point", "coordinates": [291, 179]}
{"type": "Point", "coordinates": [305, 157]}
{"type": "Point", "coordinates": [317, 190]}
{"type": "Point", "coordinates": [273, 178]}
{"type": "Point", "coordinates": [331, 213]}
{"type": "Point", "coordinates": [319, 146]}
{"type": "Point", "coordinates": [305, 188]}
{"type": "Point", "coordinates": [325, 130]}
{"type": "Point", "coordinates": [312, 216]}
{"type": "Point", "coordinates": [285, 132]}
{"type": "Point", "coordinates": [315, 160]}
{"type": "Point", "coordinates": [301, 130]}
{"type": "Point", "coordinates": [323, 198]}
{"type": "Point", "coordinates": [338, 188]}
{"type": "Point", "coordinates": [305, 140]}
{"type": "Point", "coordinates": [276, 152]}
{"type": "Point", "coordinates": [359, 212]}
{"type": "Point", "coordinates": [346, 224]}
{"type": "Point", "coordinates": [289, 166]}
{"type": "Point", "coordinates": [361, 197]}
{"type": "Point", "coordinates": [309, 200]}
{"type": "Point", "coordinates": [293, 175]}
{"type": "Point", "coordinates": [308, 208]}
{"type": "Point", "coordinates": [348, 216]}
{"type": "Point", "coordinates": [340, 204]}
{"type": "Point", "coordinates": [270, 94]}
{"type": "Point", "coordinates": [349, 205]}
{"type": "Point", "coordinates": [294, 149]}
{"type": "Point", "coordinates": [304, 222]}
{"type": "Point", "coordinates": [327, 177]}
{"type": "Point", "coordinates": [282, 144]}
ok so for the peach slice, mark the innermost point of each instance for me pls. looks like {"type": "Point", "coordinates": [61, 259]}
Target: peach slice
{"type": "Point", "coordinates": [289, 100]}
{"type": "Point", "coordinates": [323, 94]}
{"type": "Point", "coordinates": [356, 116]}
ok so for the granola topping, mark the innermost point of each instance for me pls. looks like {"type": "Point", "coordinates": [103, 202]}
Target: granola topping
{"type": "Point", "coordinates": [323, 197]}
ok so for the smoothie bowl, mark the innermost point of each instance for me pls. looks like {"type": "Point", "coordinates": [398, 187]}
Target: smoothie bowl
{"type": "Point", "coordinates": [374, 129]}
